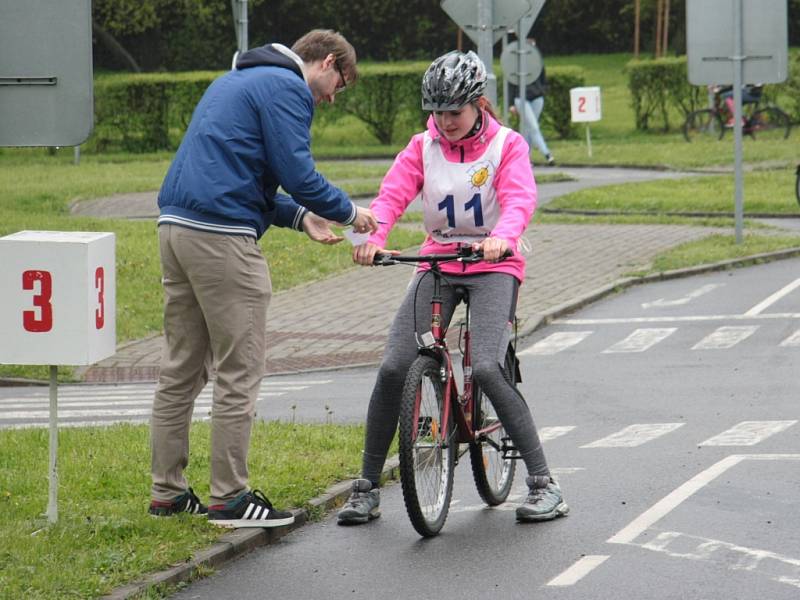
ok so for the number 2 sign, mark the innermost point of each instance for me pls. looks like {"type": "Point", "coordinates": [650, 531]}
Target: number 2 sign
{"type": "Point", "coordinates": [585, 104]}
{"type": "Point", "coordinates": [57, 298]}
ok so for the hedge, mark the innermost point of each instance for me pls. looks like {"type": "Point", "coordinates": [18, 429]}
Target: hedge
{"type": "Point", "coordinates": [149, 112]}
{"type": "Point", "coordinates": [660, 89]}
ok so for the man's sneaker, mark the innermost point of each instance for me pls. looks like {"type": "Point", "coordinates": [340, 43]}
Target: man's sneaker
{"type": "Point", "coordinates": [187, 502]}
{"type": "Point", "coordinates": [250, 509]}
{"type": "Point", "coordinates": [362, 505]}
{"type": "Point", "coordinates": [544, 501]}
{"type": "Point", "coordinates": [550, 160]}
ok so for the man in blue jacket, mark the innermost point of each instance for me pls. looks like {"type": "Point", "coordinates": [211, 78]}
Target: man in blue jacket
{"type": "Point", "coordinates": [249, 134]}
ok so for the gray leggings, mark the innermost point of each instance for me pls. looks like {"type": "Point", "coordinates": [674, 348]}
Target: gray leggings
{"type": "Point", "coordinates": [492, 305]}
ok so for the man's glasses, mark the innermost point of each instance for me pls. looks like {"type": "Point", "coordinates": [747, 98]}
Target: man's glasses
{"type": "Point", "coordinates": [342, 87]}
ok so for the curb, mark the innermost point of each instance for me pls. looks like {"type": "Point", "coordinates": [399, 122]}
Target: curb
{"type": "Point", "coordinates": [241, 541]}
{"type": "Point", "coordinates": [641, 213]}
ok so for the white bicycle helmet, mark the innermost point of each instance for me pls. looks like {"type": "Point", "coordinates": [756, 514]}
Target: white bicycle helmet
{"type": "Point", "coordinates": [453, 81]}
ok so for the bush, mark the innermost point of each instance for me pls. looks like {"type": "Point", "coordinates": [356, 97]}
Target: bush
{"type": "Point", "coordinates": [150, 112]}
{"type": "Point", "coordinates": [145, 112]}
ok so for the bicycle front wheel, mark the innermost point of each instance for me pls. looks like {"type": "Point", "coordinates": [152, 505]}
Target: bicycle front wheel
{"type": "Point", "coordinates": [427, 452]}
{"type": "Point", "coordinates": [493, 474]}
{"type": "Point", "coordinates": [703, 124]}
{"type": "Point", "coordinates": [769, 124]}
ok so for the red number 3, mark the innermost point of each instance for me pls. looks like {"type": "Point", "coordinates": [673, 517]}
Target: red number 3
{"type": "Point", "coordinates": [99, 284]}
{"type": "Point", "coordinates": [42, 300]}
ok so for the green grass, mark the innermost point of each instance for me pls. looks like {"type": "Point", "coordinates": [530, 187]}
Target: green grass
{"type": "Point", "coordinates": [717, 248]}
{"type": "Point", "coordinates": [104, 537]}
{"type": "Point", "coordinates": [764, 192]}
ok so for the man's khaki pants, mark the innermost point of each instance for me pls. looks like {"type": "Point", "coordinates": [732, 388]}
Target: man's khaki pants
{"type": "Point", "coordinates": [216, 292]}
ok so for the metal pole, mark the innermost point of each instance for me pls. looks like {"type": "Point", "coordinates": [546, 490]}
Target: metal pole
{"type": "Point", "coordinates": [737, 117]}
{"type": "Point", "coordinates": [52, 501]}
{"type": "Point", "coordinates": [76, 155]}
{"type": "Point", "coordinates": [243, 41]}
{"type": "Point", "coordinates": [521, 76]}
{"type": "Point", "coordinates": [485, 44]}
{"type": "Point", "coordinates": [506, 98]}
{"type": "Point", "coordinates": [588, 141]}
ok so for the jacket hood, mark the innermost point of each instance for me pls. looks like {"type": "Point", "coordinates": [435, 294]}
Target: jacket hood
{"type": "Point", "coordinates": [271, 55]}
{"type": "Point", "coordinates": [489, 128]}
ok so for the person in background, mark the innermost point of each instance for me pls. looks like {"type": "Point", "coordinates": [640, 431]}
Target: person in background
{"type": "Point", "coordinates": [532, 108]}
{"type": "Point", "coordinates": [249, 133]}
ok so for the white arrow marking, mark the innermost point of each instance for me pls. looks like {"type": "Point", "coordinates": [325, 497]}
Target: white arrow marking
{"type": "Point", "coordinates": [661, 302]}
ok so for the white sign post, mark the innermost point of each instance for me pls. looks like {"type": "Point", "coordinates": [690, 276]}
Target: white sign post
{"type": "Point", "coordinates": [735, 42]}
{"type": "Point", "coordinates": [57, 307]}
{"type": "Point", "coordinates": [585, 107]}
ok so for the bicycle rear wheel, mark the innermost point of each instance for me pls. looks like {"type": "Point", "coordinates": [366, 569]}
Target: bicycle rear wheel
{"type": "Point", "coordinates": [493, 474]}
{"type": "Point", "coordinates": [703, 124]}
{"type": "Point", "coordinates": [769, 123]}
{"type": "Point", "coordinates": [427, 458]}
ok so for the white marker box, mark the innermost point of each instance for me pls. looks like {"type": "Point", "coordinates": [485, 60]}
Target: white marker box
{"type": "Point", "coordinates": [57, 298]}
{"type": "Point", "coordinates": [585, 104]}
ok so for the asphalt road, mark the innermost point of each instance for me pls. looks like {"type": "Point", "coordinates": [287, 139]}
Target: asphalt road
{"type": "Point", "coordinates": [670, 417]}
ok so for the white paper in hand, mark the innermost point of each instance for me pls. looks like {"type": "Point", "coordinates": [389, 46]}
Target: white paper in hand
{"type": "Point", "coordinates": [356, 239]}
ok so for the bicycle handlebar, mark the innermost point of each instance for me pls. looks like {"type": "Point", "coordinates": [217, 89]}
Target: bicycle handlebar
{"type": "Point", "coordinates": [465, 254]}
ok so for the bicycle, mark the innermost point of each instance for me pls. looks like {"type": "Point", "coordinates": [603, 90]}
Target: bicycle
{"type": "Point", "coordinates": [768, 122]}
{"type": "Point", "coordinates": [435, 418]}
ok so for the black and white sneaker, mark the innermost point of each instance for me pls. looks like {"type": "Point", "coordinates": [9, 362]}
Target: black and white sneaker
{"type": "Point", "coordinates": [250, 509]}
{"type": "Point", "coordinates": [187, 502]}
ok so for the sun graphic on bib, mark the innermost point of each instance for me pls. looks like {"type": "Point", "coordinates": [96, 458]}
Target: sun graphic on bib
{"type": "Point", "coordinates": [480, 174]}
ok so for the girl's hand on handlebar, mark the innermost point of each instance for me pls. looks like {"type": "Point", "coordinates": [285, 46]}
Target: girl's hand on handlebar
{"type": "Point", "coordinates": [365, 253]}
{"type": "Point", "coordinates": [493, 248]}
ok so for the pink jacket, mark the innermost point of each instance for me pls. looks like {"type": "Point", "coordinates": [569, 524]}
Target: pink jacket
{"type": "Point", "coordinates": [514, 182]}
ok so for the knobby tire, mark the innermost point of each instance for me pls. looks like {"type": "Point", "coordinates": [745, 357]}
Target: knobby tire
{"type": "Point", "coordinates": [427, 460]}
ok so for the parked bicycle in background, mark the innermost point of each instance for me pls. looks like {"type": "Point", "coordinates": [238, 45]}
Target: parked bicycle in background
{"type": "Point", "coordinates": [760, 121]}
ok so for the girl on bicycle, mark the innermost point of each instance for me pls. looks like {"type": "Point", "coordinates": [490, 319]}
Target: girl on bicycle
{"type": "Point", "coordinates": [477, 189]}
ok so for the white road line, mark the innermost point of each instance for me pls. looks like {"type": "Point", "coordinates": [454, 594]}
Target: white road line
{"type": "Point", "coordinates": [641, 340]}
{"type": "Point", "coordinates": [634, 435]}
{"type": "Point", "coordinates": [661, 508]}
{"type": "Point", "coordinates": [551, 433]}
{"type": "Point", "coordinates": [579, 570]}
{"type": "Point", "coordinates": [725, 337]}
{"type": "Point", "coordinates": [40, 404]}
{"type": "Point", "coordinates": [556, 342]}
{"type": "Point", "coordinates": [24, 402]}
{"type": "Point", "coordinates": [661, 302]}
{"type": "Point", "coordinates": [67, 414]}
{"type": "Point", "coordinates": [761, 306]}
{"type": "Point", "coordinates": [748, 433]}
{"type": "Point", "coordinates": [665, 319]}
{"type": "Point", "coordinates": [792, 341]}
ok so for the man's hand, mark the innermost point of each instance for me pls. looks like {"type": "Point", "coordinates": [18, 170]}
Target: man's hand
{"type": "Point", "coordinates": [365, 221]}
{"type": "Point", "coordinates": [493, 248]}
{"type": "Point", "coordinates": [319, 229]}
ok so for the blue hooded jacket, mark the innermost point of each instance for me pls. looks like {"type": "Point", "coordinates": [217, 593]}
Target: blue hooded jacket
{"type": "Point", "coordinates": [250, 133]}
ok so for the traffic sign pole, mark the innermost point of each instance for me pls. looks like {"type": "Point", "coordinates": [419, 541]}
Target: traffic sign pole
{"type": "Point", "coordinates": [485, 45]}
{"type": "Point", "coordinates": [738, 60]}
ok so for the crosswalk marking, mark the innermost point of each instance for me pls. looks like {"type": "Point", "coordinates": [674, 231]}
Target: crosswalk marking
{"type": "Point", "coordinates": [792, 341]}
{"type": "Point", "coordinates": [748, 433]}
{"type": "Point", "coordinates": [634, 435]}
{"type": "Point", "coordinates": [556, 342]}
{"type": "Point", "coordinates": [641, 340]}
{"type": "Point", "coordinates": [725, 337]}
{"type": "Point", "coordinates": [91, 405]}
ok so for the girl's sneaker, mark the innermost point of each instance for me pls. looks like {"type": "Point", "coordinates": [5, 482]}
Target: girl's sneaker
{"type": "Point", "coordinates": [544, 501]}
{"type": "Point", "coordinates": [187, 502]}
{"type": "Point", "coordinates": [362, 505]}
{"type": "Point", "coordinates": [249, 509]}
